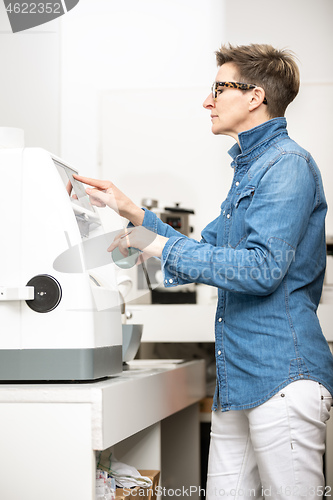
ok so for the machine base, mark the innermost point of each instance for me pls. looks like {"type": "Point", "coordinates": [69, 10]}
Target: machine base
{"type": "Point", "coordinates": [60, 364]}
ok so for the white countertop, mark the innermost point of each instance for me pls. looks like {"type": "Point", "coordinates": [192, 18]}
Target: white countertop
{"type": "Point", "coordinates": [325, 315]}
{"type": "Point", "coordinates": [195, 322]}
{"type": "Point", "coordinates": [147, 392]}
{"type": "Point", "coordinates": [175, 322]}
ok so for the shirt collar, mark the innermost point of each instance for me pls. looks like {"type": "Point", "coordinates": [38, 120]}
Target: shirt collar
{"type": "Point", "coordinates": [252, 138]}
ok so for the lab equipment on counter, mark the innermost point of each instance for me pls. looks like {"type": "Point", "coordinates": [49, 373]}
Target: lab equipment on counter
{"type": "Point", "coordinates": [55, 324]}
{"type": "Point", "coordinates": [176, 216]}
{"type": "Point", "coordinates": [150, 278]}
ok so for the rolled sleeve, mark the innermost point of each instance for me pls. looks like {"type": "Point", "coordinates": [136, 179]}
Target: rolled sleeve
{"type": "Point", "coordinates": [170, 256]}
{"type": "Point", "coordinates": [152, 222]}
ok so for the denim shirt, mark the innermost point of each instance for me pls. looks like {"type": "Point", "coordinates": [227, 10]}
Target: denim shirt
{"type": "Point", "coordinates": [266, 254]}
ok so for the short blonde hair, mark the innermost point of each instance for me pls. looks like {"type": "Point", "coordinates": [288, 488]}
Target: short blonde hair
{"type": "Point", "coordinates": [274, 70]}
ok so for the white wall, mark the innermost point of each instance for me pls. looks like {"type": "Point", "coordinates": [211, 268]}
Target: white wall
{"type": "Point", "coordinates": [158, 143]}
{"type": "Point", "coordinates": [305, 27]}
{"type": "Point", "coordinates": [59, 82]}
{"type": "Point", "coordinates": [30, 82]}
{"type": "Point", "coordinates": [134, 77]}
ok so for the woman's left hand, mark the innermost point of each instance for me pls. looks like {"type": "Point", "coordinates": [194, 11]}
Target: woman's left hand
{"type": "Point", "coordinates": [150, 243]}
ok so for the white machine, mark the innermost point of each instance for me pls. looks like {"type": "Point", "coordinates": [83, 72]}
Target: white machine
{"type": "Point", "coordinates": [59, 303]}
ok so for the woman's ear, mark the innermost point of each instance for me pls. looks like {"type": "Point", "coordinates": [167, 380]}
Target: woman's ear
{"type": "Point", "coordinates": [257, 97]}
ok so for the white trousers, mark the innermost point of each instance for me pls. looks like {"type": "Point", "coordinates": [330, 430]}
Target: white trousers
{"type": "Point", "coordinates": [274, 451]}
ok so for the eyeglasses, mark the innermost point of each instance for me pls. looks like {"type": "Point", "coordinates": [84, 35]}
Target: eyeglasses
{"type": "Point", "coordinates": [232, 85]}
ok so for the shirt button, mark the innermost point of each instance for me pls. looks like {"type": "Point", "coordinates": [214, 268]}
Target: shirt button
{"type": "Point", "coordinates": [170, 280]}
{"type": "Point", "coordinates": [237, 183]}
{"type": "Point", "coordinates": [219, 353]}
{"type": "Point", "coordinates": [220, 319]}
{"type": "Point", "coordinates": [228, 216]}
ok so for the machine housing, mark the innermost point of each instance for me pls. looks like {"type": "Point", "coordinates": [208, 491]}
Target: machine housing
{"type": "Point", "coordinates": [59, 304]}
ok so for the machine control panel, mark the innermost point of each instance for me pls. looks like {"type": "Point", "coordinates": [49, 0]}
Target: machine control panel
{"type": "Point", "coordinates": [85, 213]}
{"type": "Point", "coordinates": [66, 173]}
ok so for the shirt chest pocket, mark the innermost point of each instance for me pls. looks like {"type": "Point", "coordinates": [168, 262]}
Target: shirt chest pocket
{"type": "Point", "coordinates": [237, 234]}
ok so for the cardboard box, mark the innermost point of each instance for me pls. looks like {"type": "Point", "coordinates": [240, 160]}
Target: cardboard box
{"type": "Point", "coordinates": [206, 405]}
{"type": "Point", "coordinates": [137, 492]}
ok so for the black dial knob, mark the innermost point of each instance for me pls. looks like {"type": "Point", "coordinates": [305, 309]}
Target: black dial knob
{"type": "Point", "coordinates": [47, 293]}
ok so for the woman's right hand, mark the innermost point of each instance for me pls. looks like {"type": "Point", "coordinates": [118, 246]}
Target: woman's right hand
{"type": "Point", "coordinates": [105, 193]}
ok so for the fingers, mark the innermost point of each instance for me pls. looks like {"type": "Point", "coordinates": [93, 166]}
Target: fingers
{"type": "Point", "coordinates": [101, 192]}
{"type": "Point", "coordinates": [121, 241]}
{"type": "Point", "coordinates": [97, 183]}
{"type": "Point", "coordinates": [141, 239]}
{"type": "Point", "coordinates": [69, 187]}
{"type": "Point", "coordinates": [97, 197]}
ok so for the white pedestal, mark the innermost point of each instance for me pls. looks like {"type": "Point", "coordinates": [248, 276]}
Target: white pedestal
{"type": "Point", "coordinates": [49, 433]}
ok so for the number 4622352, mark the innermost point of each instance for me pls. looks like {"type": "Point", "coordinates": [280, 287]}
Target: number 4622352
{"type": "Point", "coordinates": [34, 8]}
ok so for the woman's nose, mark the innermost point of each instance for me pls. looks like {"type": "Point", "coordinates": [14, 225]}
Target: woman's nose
{"type": "Point", "coordinates": [209, 102]}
